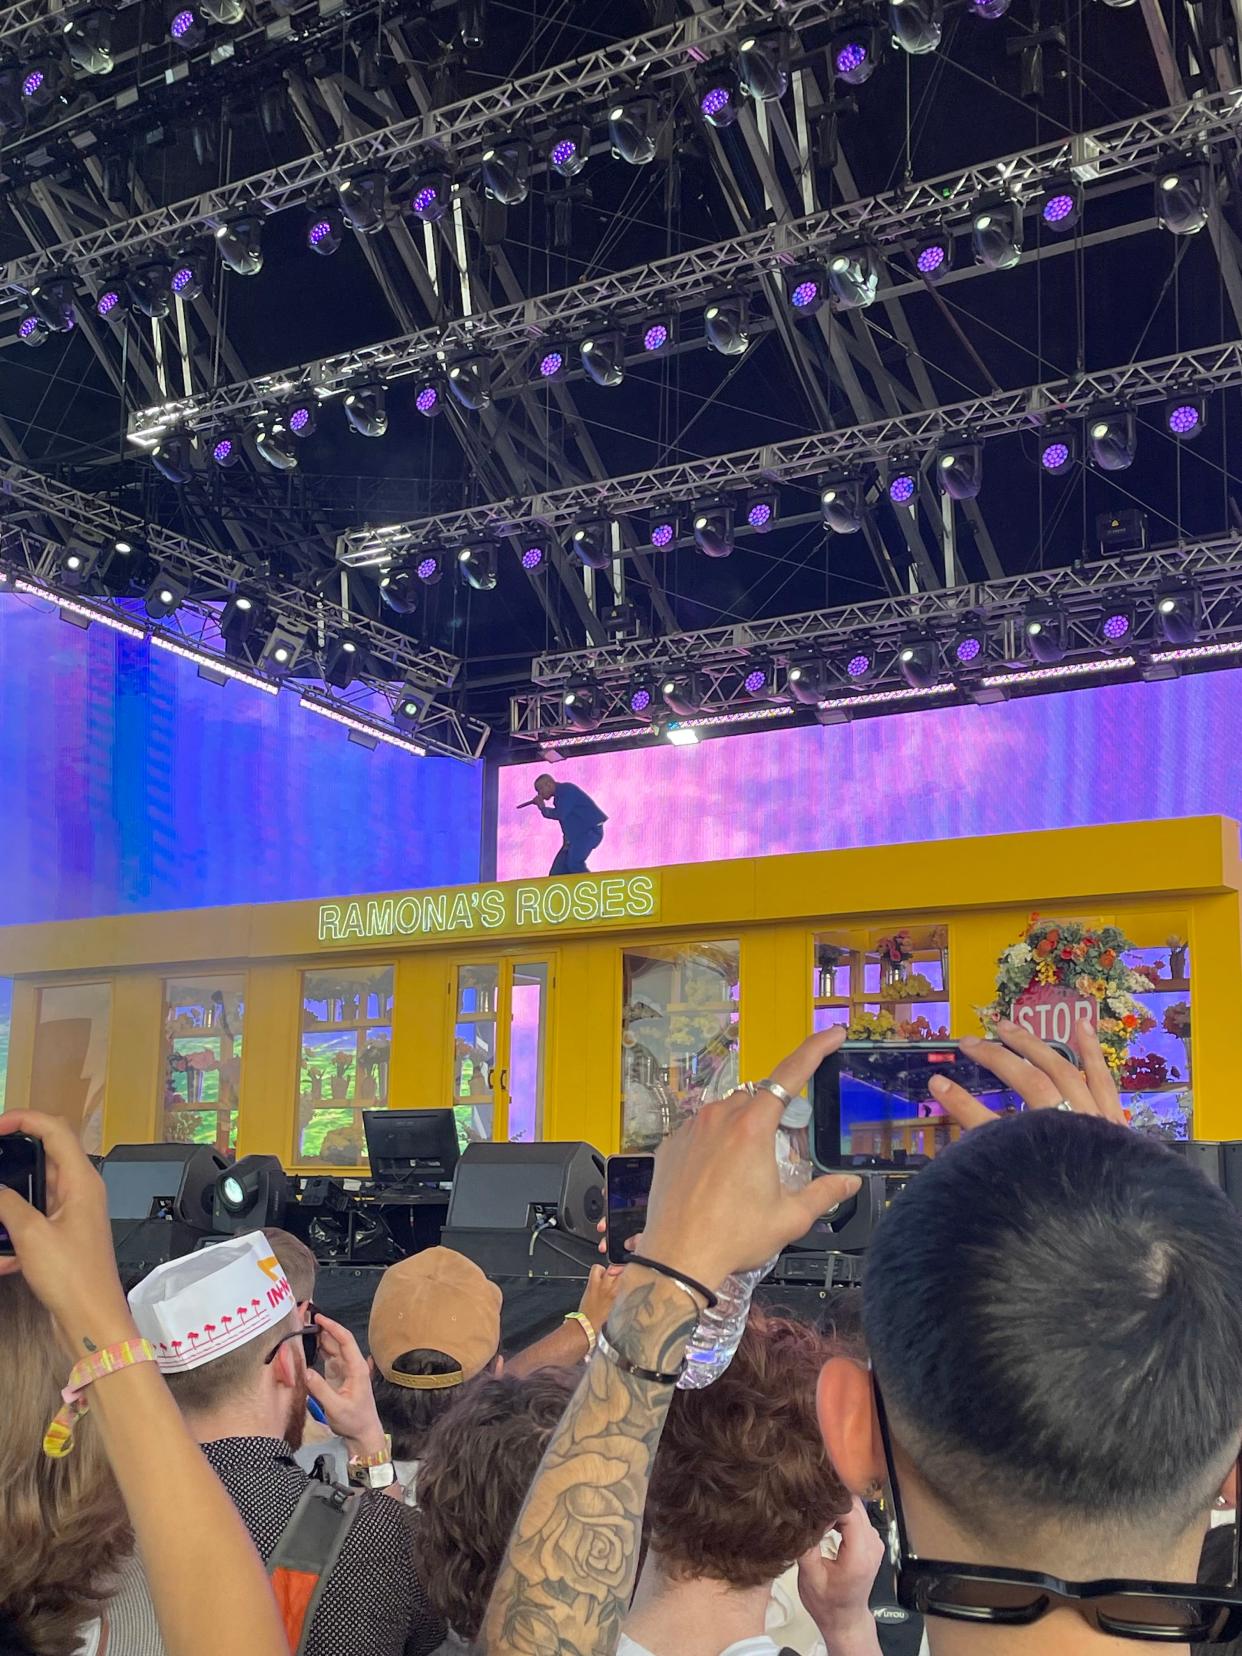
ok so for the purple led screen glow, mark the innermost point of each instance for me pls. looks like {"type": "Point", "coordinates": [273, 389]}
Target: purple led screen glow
{"type": "Point", "coordinates": [851, 57]}
{"type": "Point", "coordinates": [1183, 419]}
{"type": "Point", "coordinates": [32, 83]}
{"type": "Point", "coordinates": [806, 293]}
{"type": "Point", "coordinates": [1055, 456]}
{"type": "Point", "coordinates": [1116, 626]}
{"type": "Point", "coordinates": [759, 515]}
{"type": "Point", "coordinates": [655, 338]}
{"type": "Point", "coordinates": [144, 787]}
{"type": "Point", "coordinates": [563, 152]}
{"type": "Point", "coordinates": [181, 24]}
{"type": "Point", "coordinates": [427, 399]}
{"type": "Point", "coordinates": [662, 534]}
{"type": "Point", "coordinates": [1058, 207]}
{"type": "Point", "coordinates": [551, 364]}
{"type": "Point", "coordinates": [714, 100]}
{"type": "Point", "coordinates": [1056, 754]}
{"type": "Point", "coordinates": [931, 259]}
{"type": "Point", "coordinates": [901, 488]}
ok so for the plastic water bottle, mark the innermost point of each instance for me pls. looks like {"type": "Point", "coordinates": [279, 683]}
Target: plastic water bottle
{"type": "Point", "coordinates": [719, 1332]}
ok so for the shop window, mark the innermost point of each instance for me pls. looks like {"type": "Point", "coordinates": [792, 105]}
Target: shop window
{"type": "Point", "coordinates": [346, 1052]}
{"type": "Point", "coordinates": [1156, 1083]}
{"type": "Point", "coordinates": [475, 1066]}
{"type": "Point", "coordinates": [679, 1035]}
{"type": "Point", "coordinates": [203, 1020]}
{"type": "Point", "coordinates": [71, 1057]}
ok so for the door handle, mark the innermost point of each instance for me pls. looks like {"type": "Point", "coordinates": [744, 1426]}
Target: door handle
{"type": "Point", "coordinates": [502, 1081]}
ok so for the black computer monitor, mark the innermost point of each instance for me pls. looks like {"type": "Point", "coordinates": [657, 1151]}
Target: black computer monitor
{"type": "Point", "coordinates": [411, 1146]}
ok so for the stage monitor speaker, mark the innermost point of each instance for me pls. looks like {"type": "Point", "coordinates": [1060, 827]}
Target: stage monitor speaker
{"type": "Point", "coordinates": [496, 1187]}
{"type": "Point", "coordinates": [1231, 1170]}
{"type": "Point", "coordinates": [1205, 1154]}
{"type": "Point", "coordinates": [140, 1245]}
{"type": "Point", "coordinates": [176, 1179]}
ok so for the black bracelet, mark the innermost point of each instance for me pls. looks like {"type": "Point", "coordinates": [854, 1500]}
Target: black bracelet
{"type": "Point", "coordinates": [606, 1347]}
{"type": "Point", "coordinates": [679, 1277]}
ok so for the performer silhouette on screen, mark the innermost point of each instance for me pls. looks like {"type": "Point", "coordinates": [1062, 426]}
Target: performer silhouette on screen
{"type": "Point", "coordinates": [582, 822]}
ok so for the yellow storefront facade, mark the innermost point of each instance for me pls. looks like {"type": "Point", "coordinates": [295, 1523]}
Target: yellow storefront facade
{"type": "Point", "coordinates": [597, 1007]}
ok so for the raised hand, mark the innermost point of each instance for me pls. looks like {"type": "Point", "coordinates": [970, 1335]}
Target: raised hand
{"type": "Point", "coordinates": [1038, 1074]}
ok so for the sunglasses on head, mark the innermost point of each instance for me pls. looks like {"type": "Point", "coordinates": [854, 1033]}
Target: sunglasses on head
{"type": "Point", "coordinates": [310, 1344]}
{"type": "Point", "coordinates": [1154, 1611]}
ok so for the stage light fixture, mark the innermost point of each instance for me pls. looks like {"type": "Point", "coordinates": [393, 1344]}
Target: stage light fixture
{"type": "Point", "coordinates": [399, 587]}
{"type": "Point", "coordinates": [42, 83]}
{"type": "Point", "coordinates": [959, 469]}
{"type": "Point", "coordinates": [763, 64]}
{"type": "Point", "coordinates": [187, 26]}
{"type": "Point", "coordinates": [658, 334]}
{"type": "Point", "coordinates": [854, 277]}
{"type": "Point", "coordinates": [759, 681]}
{"type": "Point", "coordinates": [843, 503]}
{"type": "Point", "coordinates": [188, 277]}
{"type": "Point", "coordinates": [173, 458]}
{"type": "Point", "coordinates": [726, 324]}
{"type": "Point", "coordinates": [582, 705]}
{"type": "Point", "coordinates": [274, 443]}
{"type": "Point", "coordinates": [410, 708]}
{"type": "Point", "coordinates": [150, 288]}
{"type": "Point", "coordinates": [602, 355]}
{"type": "Point", "coordinates": [806, 289]}
{"type": "Point", "coordinates": [1183, 196]}
{"type": "Point", "coordinates": [569, 149]}
{"type": "Point", "coordinates": [632, 130]}
{"type": "Point", "coordinates": [165, 596]}
{"type": "Point", "coordinates": [302, 416]}
{"type": "Point", "coordinates": [429, 397]}
{"type": "Point", "coordinates": [431, 196]}
{"type": "Point", "coordinates": [110, 299]}
{"type": "Point", "coordinates": [1058, 450]}
{"type": "Point", "coordinates": [226, 449]}
{"type": "Point", "coordinates": [343, 659]}
{"type": "Point", "coordinates": [430, 563]}
{"type": "Point", "coordinates": [281, 650]}
{"type": "Point", "coordinates": [534, 553]}
{"type": "Point", "coordinates": [809, 680]}
{"type": "Point", "coordinates": [761, 507]}
{"type": "Point", "coordinates": [470, 381]}
{"type": "Point", "coordinates": [901, 482]}
{"type": "Point", "coordinates": [678, 735]}
{"type": "Point", "coordinates": [918, 661]}
{"type": "Point", "coordinates": [662, 530]}
{"type": "Point", "coordinates": [970, 647]}
{"type": "Point", "coordinates": [31, 331]}
{"type": "Point", "coordinates": [591, 543]}
{"type": "Point", "coordinates": [75, 565]}
{"type": "Point", "coordinates": [239, 243]}
{"type": "Point", "coordinates": [125, 566]}
{"type": "Point", "coordinates": [478, 565]}
{"type": "Point", "coordinates": [858, 663]}
{"type": "Point", "coordinates": [716, 91]}
{"type": "Point", "coordinates": [1185, 415]}
{"type": "Point", "coordinates": [366, 410]}
{"type": "Point", "coordinates": [1046, 631]}
{"type": "Point", "coordinates": [684, 693]}
{"type": "Point", "coordinates": [364, 200]}
{"type": "Point", "coordinates": [990, 10]}
{"type": "Point", "coordinates": [325, 229]}
{"type": "Point", "coordinates": [640, 700]}
{"type": "Point", "coordinates": [1060, 205]}
{"type": "Point", "coordinates": [916, 25]}
{"type": "Point", "coordinates": [713, 529]}
{"type": "Point", "coordinates": [550, 361]}
{"type": "Point", "coordinates": [1116, 625]}
{"type": "Point", "coordinates": [88, 40]}
{"type": "Point", "coordinates": [855, 53]}
{"type": "Point", "coordinates": [1179, 612]}
{"type": "Point", "coordinates": [506, 170]}
{"type": "Point", "coordinates": [996, 233]}
{"type": "Point", "coordinates": [54, 302]}
{"type": "Point", "coordinates": [933, 256]}
{"type": "Point", "coordinates": [1112, 438]}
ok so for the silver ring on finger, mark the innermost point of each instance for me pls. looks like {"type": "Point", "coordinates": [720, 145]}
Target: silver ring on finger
{"type": "Point", "coordinates": [1064, 1104]}
{"type": "Point", "coordinates": [775, 1088]}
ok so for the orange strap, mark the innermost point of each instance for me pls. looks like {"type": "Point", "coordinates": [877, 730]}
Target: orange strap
{"type": "Point", "coordinates": [294, 1590]}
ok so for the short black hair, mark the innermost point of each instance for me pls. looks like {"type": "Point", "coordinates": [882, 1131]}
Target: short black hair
{"type": "Point", "coordinates": [408, 1415]}
{"type": "Point", "coordinates": [1054, 1314]}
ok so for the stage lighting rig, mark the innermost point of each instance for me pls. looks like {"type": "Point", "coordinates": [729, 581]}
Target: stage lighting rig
{"type": "Point", "coordinates": [959, 469]}
{"type": "Point", "coordinates": [343, 660]}
{"type": "Point", "coordinates": [726, 324]}
{"type": "Point", "coordinates": [854, 277]}
{"type": "Point", "coordinates": [658, 334]}
{"type": "Point", "coordinates": [31, 331]}
{"type": "Point", "coordinates": [431, 195]}
{"type": "Point", "coordinates": [902, 482]}
{"type": "Point", "coordinates": [54, 302]}
{"type": "Point", "coordinates": [684, 693]}
{"type": "Point", "coordinates": [1046, 631]}
{"type": "Point", "coordinates": [399, 587]}
{"type": "Point", "coordinates": [165, 595]}
{"type": "Point", "coordinates": [1060, 205]}
{"type": "Point", "coordinates": [240, 617]}
{"type": "Point", "coordinates": [274, 443]}
{"type": "Point", "coordinates": [918, 661]}
{"type": "Point", "coordinates": [88, 40]}
{"type": "Point", "coordinates": [662, 529]}
{"type": "Point", "coordinates": [470, 381]}
{"type": "Point", "coordinates": [806, 289]}
{"type": "Point", "coordinates": [916, 25]}
{"type": "Point", "coordinates": [1179, 612]}
{"type": "Point", "coordinates": [855, 53]}
{"type": "Point", "coordinates": [717, 94]}
{"type": "Point", "coordinates": [281, 650]}
{"type": "Point", "coordinates": [110, 299]}
{"type": "Point", "coordinates": [1183, 196]}
{"type": "Point", "coordinates": [75, 566]}
{"type": "Point", "coordinates": [188, 276]}
{"type": "Point", "coordinates": [761, 507]}
{"type": "Point", "coordinates": [583, 706]}
{"type": "Point", "coordinates": [996, 233]}
{"type": "Point", "coordinates": [1185, 415]}
{"type": "Point", "coordinates": [478, 565]}
{"type": "Point", "coordinates": [173, 458]}
{"type": "Point", "coordinates": [226, 448]}
{"type": "Point", "coordinates": [506, 170]}
{"type": "Point", "coordinates": [325, 229]}
{"type": "Point", "coordinates": [429, 397]}
{"type": "Point", "coordinates": [970, 648]}
{"type": "Point", "coordinates": [1112, 437]}
{"type": "Point", "coordinates": [809, 680]}
{"type": "Point", "coordinates": [43, 82]}
{"type": "Point", "coordinates": [411, 706]}
{"type": "Point", "coordinates": [569, 149]}
{"type": "Point", "coordinates": [640, 700]}
{"type": "Point", "coordinates": [239, 242]}
{"type": "Point", "coordinates": [759, 679]}
{"type": "Point", "coordinates": [858, 663]}
{"type": "Point", "coordinates": [534, 553]}
{"type": "Point", "coordinates": [124, 567]}
{"type": "Point", "coordinates": [302, 417]}
{"type": "Point", "coordinates": [1116, 625]}
{"type": "Point", "coordinates": [429, 564]}
{"type": "Point", "coordinates": [550, 361]}
{"type": "Point", "coordinates": [366, 410]}
{"type": "Point", "coordinates": [843, 504]}
{"type": "Point", "coordinates": [632, 124]}
{"type": "Point", "coordinates": [713, 529]}
{"type": "Point", "coordinates": [933, 256]}
{"type": "Point", "coordinates": [187, 26]}
{"type": "Point", "coordinates": [150, 288]}
{"type": "Point", "coordinates": [1058, 450]}
{"type": "Point", "coordinates": [364, 201]}
{"type": "Point", "coordinates": [254, 1192]}
{"type": "Point", "coordinates": [602, 354]}
{"type": "Point", "coordinates": [763, 64]}
{"type": "Point", "coordinates": [591, 543]}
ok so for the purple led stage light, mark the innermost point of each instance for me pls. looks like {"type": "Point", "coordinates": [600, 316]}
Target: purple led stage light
{"type": "Point", "coordinates": [656, 337]}
{"type": "Point", "coordinates": [551, 365]}
{"type": "Point", "coordinates": [1116, 626]}
{"type": "Point", "coordinates": [427, 399]}
{"type": "Point", "coordinates": [968, 649]}
{"type": "Point", "coordinates": [1183, 418]}
{"type": "Point", "coordinates": [27, 326]}
{"type": "Point", "coordinates": [425, 199]}
{"type": "Point", "coordinates": [640, 700]}
{"type": "Point", "coordinates": [426, 568]}
{"type": "Point", "coordinates": [931, 259]}
{"type": "Point", "coordinates": [806, 293]}
{"type": "Point", "coordinates": [1058, 207]}
{"type": "Point", "coordinates": [661, 534]}
{"type": "Point", "coordinates": [755, 681]}
{"type": "Point", "coordinates": [851, 58]}
{"type": "Point", "coordinates": [532, 557]}
{"type": "Point", "coordinates": [107, 302]}
{"type": "Point", "coordinates": [759, 515]}
{"type": "Point", "coordinates": [858, 665]}
{"type": "Point", "coordinates": [901, 489]}
{"type": "Point", "coordinates": [1054, 456]}
{"type": "Point", "coordinates": [563, 152]}
{"type": "Point", "coordinates": [714, 100]}
{"type": "Point", "coordinates": [32, 83]}
{"type": "Point", "coordinates": [222, 451]}
{"type": "Point", "coordinates": [319, 232]}
{"type": "Point", "coordinates": [181, 24]}
{"type": "Point", "coordinates": [299, 419]}
{"type": "Point", "coordinates": [182, 278]}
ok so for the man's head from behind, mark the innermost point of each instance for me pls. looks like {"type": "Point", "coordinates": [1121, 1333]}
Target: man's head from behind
{"type": "Point", "coordinates": [545, 786]}
{"type": "Point", "coordinates": [1054, 1314]}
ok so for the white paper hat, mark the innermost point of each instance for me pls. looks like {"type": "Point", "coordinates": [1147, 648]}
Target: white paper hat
{"type": "Point", "coordinates": [206, 1304]}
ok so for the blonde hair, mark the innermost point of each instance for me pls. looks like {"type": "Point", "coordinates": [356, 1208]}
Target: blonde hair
{"type": "Point", "coordinates": [64, 1531]}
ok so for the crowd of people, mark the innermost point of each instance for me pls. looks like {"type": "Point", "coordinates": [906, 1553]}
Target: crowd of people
{"type": "Point", "coordinates": [1020, 1436]}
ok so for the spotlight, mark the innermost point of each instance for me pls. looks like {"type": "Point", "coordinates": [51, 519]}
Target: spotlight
{"type": "Point", "coordinates": [281, 650]}
{"type": "Point", "coordinates": [76, 564]}
{"type": "Point", "coordinates": [902, 482]}
{"type": "Point", "coordinates": [713, 530]}
{"type": "Point", "coordinates": [470, 381]}
{"type": "Point", "coordinates": [933, 256]}
{"type": "Point", "coordinates": [150, 288]}
{"type": "Point", "coordinates": [681, 735]}
{"type": "Point", "coordinates": [125, 566]}
{"type": "Point", "coordinates": [478, 565]}
{"type": "Point", "coordinates": [398, 587]}
{"type": "Point", "coordinates": [916, 25]}
{"type": "Point", "coordinates": [88, 40]}
{"type": "Point", "coordinates": [54, 302]}
{"type": "Point", "coordinates": [325, 230]}
{"type": "Point", "coordinates": [1183, 196]}
{"type": "Point", "coordinates": [1060, 205]}
{"type": "Point", "coordinates": [603, 357]}
{"type": "Point", "coordinates": [658, 335]}
{"type": "Point", "coordinates": [583, 706]}
{"type": "Point", "coordinates": [855, 53]}
{"type": "Point", "coordinates": [1046, 630]}
{"type": "Point", "coordinates": [342, 661]}
{"type": "Point", "coordinates": [806, 289]}
{"type": "Point", "coordinates": [970, 647]}
{"type": "Point", "coordinates": [42, 82]}
{"type": "Point", "coordinates": [759, 681]}
{"type": "Point", "coordinates": [110, 297]}
{"type": "Point", "coordinates": [302, 416]}
{"type": "Point", "coordinates": [164, 596]}
{"type": "Point", "coordinates": [274, 442]}
{"type": "Point", "coordinates": [429, 398]}
{"type": "Point", "coordinates": [919, 662]}
{"type": "Point", "coordinates": [411, 706]}
{"type": "Point", "coordinates": [959, 469]}
{"type": "Point", "coordinates": [550, 361]}
{"type": "Point", "coordinates": [631, 130]}
{"type": "Point", "coordinates": [726, 323]}
{"type": "Point", "coordinates": [1179, 612]}
{"type": "Point", "coordinates": [763, 64]}
{"type": "Point", "coordinates": [1112, 437]}
{"type": "Point", "coordinates": [592, 543]}
{"type": "Point", "coordinates": [188, 277]}
{"type": "Point", "coordinates": [363, 198]}
{"type": "Point", "coordinates": [858, 664]}
{"type": "Point", "coordinates": [240, 616]}
{"type": "Point", "coordinates": [569, 149]}
{"type": "Point", "coordinates": [506, 170]}
{"type": "Point", "coordinates": [853, 276]}
{"type": "Point", "coordinates": [684, 693]}
{"type": "Point", "coordinates": [31, 331]}
{"type": "Point", "coordinates": [239, 243]}
{"type": "Point", "coordinates": [640, 700]}
{"type": "Point", "coordinates": [996, 233]}
{"type": "Point", "coordinates": [534, 553]}
{"type": "Point", "coordinates": [843, 502]}
{"type": "Point", "coordinates": [173, 458]}
{"type": "Point", "coordinates": [1185, 415]}
{"type": "Point", "coordinates": [226, 449]}
{"type": "Point", "coordinates": [366, 412]}
{"type": "Point", "coordinates": [251, 1194]}
{"type": "Point", "coordinates": [429, 562]}
{"type": "Point", "coordinates": [761, 508]}
{"type": "Point", "coordinates": [431, 196]}
{"type": "Point", "coordinates": [716, 89]}
{"type": "Point", "coordinates": [662, 530]}
{"type": "Point", "coordinates": [186, 25]}
{"type": "Point", "coordinates": [1116, 626]}
{"type": "Point", "coordinates": [809, 680]}
{"type": "Point", "coordinates": [1058, 450]}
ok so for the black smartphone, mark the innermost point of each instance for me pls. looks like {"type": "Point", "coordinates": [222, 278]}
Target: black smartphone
{"type": "Point", "coordinates": [21, 1169]}
{"type": "Point", "coordinates": [872, 1105]}
{"type": "Point", "coordinates": [628, 1180]}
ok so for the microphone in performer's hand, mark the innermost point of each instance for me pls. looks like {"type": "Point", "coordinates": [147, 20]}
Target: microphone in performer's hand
{"type": "Point", "coordinates": [527, 802]}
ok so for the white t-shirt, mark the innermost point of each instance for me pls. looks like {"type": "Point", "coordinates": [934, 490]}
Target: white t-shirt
{"type": "Point", "coordinates": [744, 1647]}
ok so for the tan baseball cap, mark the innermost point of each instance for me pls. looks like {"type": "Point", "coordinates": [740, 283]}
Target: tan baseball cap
{"type": "Point", "coordinates": [436, 1300]}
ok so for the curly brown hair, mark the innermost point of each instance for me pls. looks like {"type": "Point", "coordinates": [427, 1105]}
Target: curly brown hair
{"type": "Point", "coordinates": [741, 1485]}
{"type": "Point", "coordinates": [478, 1462]}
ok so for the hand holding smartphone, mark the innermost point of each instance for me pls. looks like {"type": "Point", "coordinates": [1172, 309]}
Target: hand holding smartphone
{"type": "Point", "coordinates": [22, 1169]}
{"type": "Point", "coordinates": [628, 1186]}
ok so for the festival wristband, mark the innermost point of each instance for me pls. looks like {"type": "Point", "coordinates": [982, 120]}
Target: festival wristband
{"type": "Point", "coordinates": [684, 1282]}
{"type": "Point", "coordinates": [656, 1376]}
{"type": "Point", "coordinates": [58, 1439]}
{"type": "Point", "coordinates": [381, 1457]}
{"type": "Point", "coordinates": [586, 1325]}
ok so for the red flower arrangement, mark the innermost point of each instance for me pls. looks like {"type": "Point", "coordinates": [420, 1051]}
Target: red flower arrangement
{"type": "Point", "coordinates": [1142, 1073]}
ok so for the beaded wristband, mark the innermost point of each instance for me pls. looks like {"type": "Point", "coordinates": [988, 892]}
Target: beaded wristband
{"type": "Point", "coordinates": [58, 1439]}
{"type": "Point", "coordinates": [586, 1325]}
{"type": "Point", "coordinates": [656, 1376]}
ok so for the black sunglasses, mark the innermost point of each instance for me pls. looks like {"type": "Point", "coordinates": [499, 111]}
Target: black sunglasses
{"type": "Point", "coordinates": [310, 1344]}
{"type": "Point", "coordinates": [1156, 1611]}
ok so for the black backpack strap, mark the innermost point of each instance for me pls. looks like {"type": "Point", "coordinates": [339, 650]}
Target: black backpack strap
{"type": "Point", "coordinates": [309, 1546]}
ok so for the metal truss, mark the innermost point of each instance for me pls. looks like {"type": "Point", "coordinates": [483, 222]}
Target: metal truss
{"type": "Point", "coordinates": [891, 221]}
{"type": "Point", "coordinates": [1219, 367]}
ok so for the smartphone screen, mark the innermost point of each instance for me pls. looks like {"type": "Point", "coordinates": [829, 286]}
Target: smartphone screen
{"type": "Point", "coordinates": [629, 1185]}
{"type": "Point", "coordinates": [21, 1169]}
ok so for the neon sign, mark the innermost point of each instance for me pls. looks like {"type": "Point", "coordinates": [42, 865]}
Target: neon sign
{"type": "Point", "coordinates": [476, 910]}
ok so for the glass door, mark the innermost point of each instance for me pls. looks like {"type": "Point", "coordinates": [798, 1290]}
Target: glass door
{"type": "Point", "coordinates": [499, 1046]}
